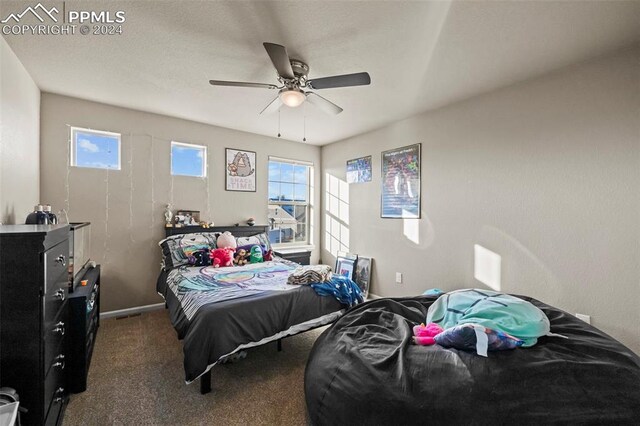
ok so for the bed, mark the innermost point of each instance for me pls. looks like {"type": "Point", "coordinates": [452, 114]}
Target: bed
{"type": "Point", "coordinates": [219, 312]}
{"type": "Point", "coordinates": [364, 370]}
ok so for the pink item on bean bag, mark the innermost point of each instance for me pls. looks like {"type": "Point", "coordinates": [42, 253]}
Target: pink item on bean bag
{"type": "Point", "coordinates": [424, 334]}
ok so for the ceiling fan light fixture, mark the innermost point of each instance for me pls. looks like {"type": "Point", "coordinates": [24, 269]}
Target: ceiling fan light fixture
{"type": "Point", "coordinates": [292, 97]}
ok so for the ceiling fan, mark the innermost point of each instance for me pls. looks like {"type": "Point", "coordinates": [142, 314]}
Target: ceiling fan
{"type": "Point", "coordinates": [292, 76]}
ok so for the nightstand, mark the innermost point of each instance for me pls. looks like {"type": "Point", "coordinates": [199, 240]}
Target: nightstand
{"type": "Point", "coordinates": [301, 256]}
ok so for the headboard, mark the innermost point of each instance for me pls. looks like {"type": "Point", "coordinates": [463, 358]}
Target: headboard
{"type": "Point", "coordinates": [237, 231]}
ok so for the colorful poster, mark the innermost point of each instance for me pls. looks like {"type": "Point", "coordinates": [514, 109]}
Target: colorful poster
{"type": "Point", "coordinates": [240, 170]}
{"type": "Point", "coordinates": [359, 170]}
{"type": "Point", "coordinates": [401, 183]}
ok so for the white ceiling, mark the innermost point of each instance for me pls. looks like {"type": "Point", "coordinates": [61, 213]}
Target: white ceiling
{"type": "Point", "coordinates": [420, 55]}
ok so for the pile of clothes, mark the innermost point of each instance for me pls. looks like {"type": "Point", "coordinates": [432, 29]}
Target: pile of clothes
{"type": "Point", "coordinates": [310, 274]}
{"type": "Point", "coordinates": [320, 278]}
{"type": "Point", "coordinates": [342, 288]}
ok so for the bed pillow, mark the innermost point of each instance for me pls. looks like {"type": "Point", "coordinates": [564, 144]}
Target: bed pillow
{"type": "Point", "coordinates": [176, 249]}
{"type": "Point", "coordinates": [259, 239]}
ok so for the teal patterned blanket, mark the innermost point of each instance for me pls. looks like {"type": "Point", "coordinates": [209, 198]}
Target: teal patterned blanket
{"type": "Point", "coordinates": [195, 286]}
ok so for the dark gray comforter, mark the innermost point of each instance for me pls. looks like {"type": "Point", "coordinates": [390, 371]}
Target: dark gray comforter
{"type": "Point", "coordinates": [218, 329]}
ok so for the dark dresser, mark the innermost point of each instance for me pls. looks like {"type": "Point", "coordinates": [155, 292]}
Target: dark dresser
{"type": "Point", "coordinates": [84, 317]}
{"type": "Point", "coordinates": [302, 257]}
{"type": "Point", "coordinates": [34, 318]}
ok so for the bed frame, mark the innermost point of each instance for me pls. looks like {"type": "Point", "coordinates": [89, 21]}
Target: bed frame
{"type": "Point", "coordinates": [237, 231]}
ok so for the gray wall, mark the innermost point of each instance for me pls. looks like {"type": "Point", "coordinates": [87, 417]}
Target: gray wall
{"type": "Point", "coordinates": [126, 207]}
{"type": "Point", "coordinates": [19, 139]}
{"type": "Point", "coordinates": [544, 173]}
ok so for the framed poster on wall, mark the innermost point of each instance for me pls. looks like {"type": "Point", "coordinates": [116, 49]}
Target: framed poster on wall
{"type": "Point", "coordinates": [240, 170]}
{"type": "Point", "coordinates": [359, 170]}
{"type": "Point", "coordinates": [400, 195]}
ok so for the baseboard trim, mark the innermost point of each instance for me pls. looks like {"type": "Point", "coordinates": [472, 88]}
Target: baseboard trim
{"type": "Point", "coordinates": [131, 311]}
{"type": "Point", "coordinates": [372, 296]}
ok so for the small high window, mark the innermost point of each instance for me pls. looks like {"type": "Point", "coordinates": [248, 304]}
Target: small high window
{"type": "Point", "coordinates": [188, 160]}
{"type": "Point", "coordinates": [95, 149]}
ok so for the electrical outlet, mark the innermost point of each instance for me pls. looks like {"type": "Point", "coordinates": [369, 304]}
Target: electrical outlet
{"type": "Point", "coordinates": [399, 277]}
{"type": "Point", "coordinates": [585, 318]}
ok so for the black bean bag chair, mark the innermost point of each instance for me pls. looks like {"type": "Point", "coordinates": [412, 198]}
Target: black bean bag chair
{"type": "Point", "coordinates": [365, 370]}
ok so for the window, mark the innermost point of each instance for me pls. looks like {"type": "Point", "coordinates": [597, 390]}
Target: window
{"type": "Point", "coordinates": [188, 160]}
{"type": "Point", "coordinates": [95, 149]}
{"type": "Point", "coordinates": [290, 192]}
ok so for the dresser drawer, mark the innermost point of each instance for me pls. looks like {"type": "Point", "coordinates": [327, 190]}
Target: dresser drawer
{"type": "Point", "coordinates": [55, 263]}
{"type": "Point", "coordinates": [54, 392]}
{"type": "Point", "coordinates": [53, 336]}
{"type": "Point", "coordinates": [54, 299]}
{"type": "Point", "coordinates": [54, 353]}
{"type": "Point", "coordinates": [54, 413]}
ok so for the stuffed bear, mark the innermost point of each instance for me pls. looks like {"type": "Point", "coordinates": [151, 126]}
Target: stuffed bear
{"type": "Point", "coordinates": [256, 254]}
{"type": "Point", "coordinates": [222, 257]}
{"type": "Point", "coordinates": [226, 240]}
{"type": "Point", "coordinates": [241, 257]}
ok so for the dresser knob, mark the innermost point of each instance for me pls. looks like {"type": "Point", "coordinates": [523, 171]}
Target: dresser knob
{"type": "Point", "coordinates": [59, 393]}
{"type": "Point", "coordinates": [59, 328]}
{"type": "Point", "coordinates": [59, 362]}
{"type": "Point", "coordinates": [61, 259]}
{"type": "Point", "coordinates": [60, 294]}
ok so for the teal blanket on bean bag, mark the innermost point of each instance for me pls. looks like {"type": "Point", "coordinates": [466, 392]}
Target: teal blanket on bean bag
{"type": "Point", "coordinates": [491, 309]}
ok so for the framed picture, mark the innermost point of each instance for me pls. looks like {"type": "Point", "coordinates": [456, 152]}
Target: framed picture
{"type": "Point", "coordinates": [240, 169]}
{"type": "Point", "coordinates": [345, 266]}
{"type": "Point", "coordinates": [363, 274]}
{"type": "Point", "coordinates": [359, 170]}
{"type": "Point", "coordinates": [400, 195]}
{"type": "Point", "coordinates": [187, 217]}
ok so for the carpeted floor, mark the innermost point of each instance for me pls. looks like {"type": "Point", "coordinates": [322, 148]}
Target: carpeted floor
{"type": "Point", "coordinates": [137, 378]}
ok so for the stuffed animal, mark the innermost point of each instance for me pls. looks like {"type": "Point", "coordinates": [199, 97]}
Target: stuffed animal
{"type": "Point", "coordinates": [199, 258]}
{"type": "Point", "coordinates": [268, 256]}
{"type": "Point", "coordinates": [241, 257]}
{"type": "Point", "coordinates": [247, 247]}
{"type": "Point", "coordinates": [222, 257]}
{"type": "Point", "coordinates": [256, 254]}
{"type": "Point", "coordinates": [424, 334]}
{"type": "Point", "coordinates": [226, 240]}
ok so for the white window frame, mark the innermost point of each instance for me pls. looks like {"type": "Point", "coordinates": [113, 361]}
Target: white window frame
{"type": "Point", "coordinates": [308, 204]}
{"type": "Point", "coordinates": [73, 154]}
{"type": "Point", "coordinates": [203, 148]}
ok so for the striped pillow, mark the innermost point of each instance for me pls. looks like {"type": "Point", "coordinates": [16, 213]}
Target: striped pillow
{"type": "Point", "coordinates": [176, 249]}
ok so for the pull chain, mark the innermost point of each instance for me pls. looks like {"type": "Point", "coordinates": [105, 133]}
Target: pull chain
{"type": "Point", "coordinates": [278, 122]}
{"type": "Point", "coordinates": [304, 123]}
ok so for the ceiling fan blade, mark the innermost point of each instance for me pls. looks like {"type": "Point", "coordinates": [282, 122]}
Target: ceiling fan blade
{"type": "Point", "coordinates": [273, 106]}
{"type": "Point", "coordinates": [324, 104]}
{"type": "Point", "coordinates": [280, 59]}
{"type": "Point", "coordinates": [242, 84]}
{"type": "Point", "coordinates": [346, 80]}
